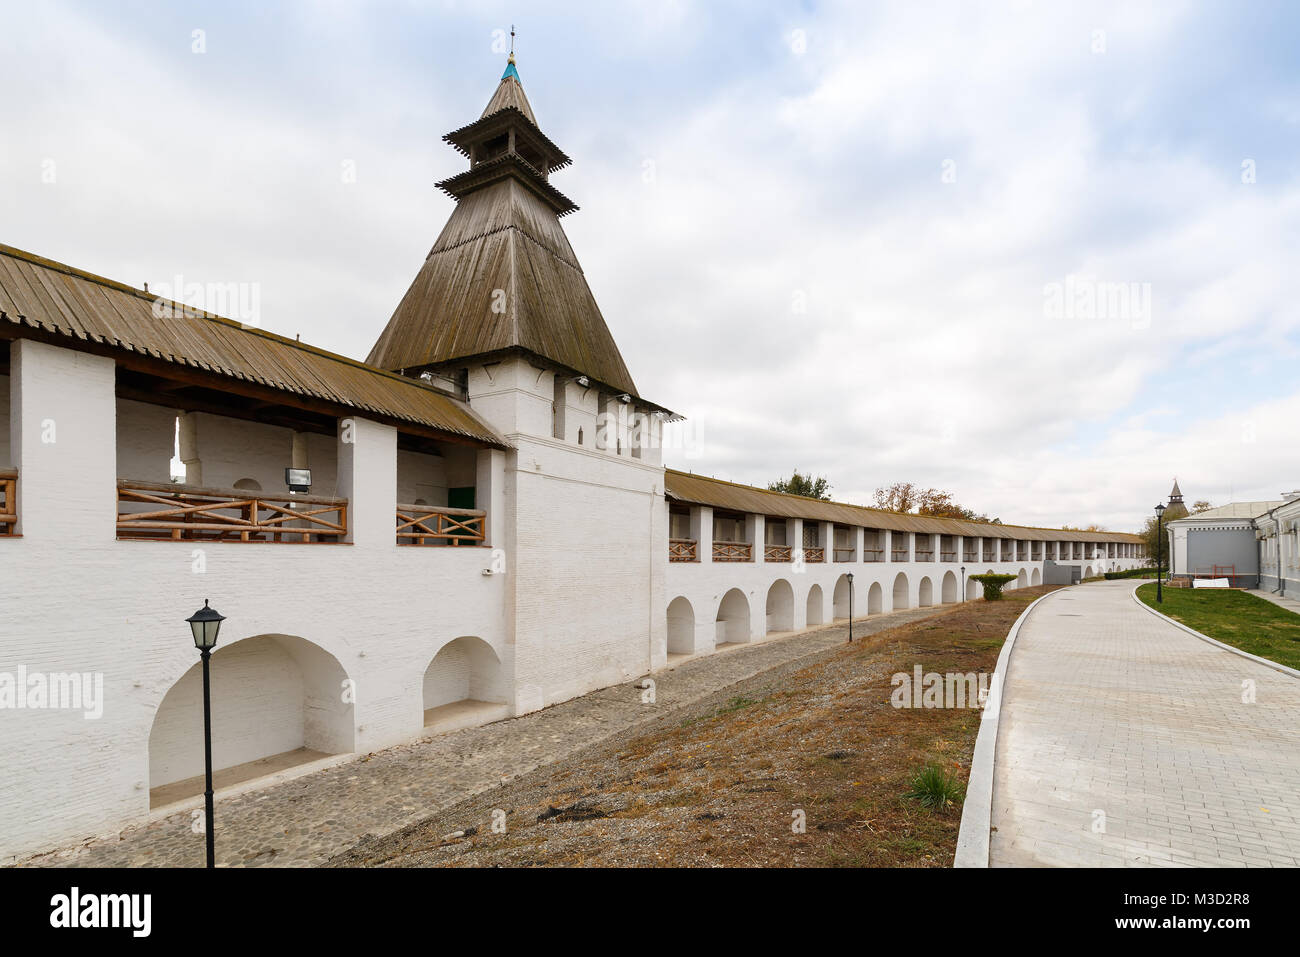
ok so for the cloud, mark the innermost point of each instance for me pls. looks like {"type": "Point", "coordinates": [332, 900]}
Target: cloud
{"type": "Point", "coordinates": [834, 255]}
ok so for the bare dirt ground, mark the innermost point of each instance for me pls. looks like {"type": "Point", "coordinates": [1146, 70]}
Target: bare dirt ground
{"type": "Point", "coordinates": [721, 782]}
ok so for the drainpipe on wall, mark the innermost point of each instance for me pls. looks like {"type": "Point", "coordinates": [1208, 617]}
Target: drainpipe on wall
{"type": "Point", "coordinates": [655, 497]}
{"type": "Point", "coordinates": [1259, 562]}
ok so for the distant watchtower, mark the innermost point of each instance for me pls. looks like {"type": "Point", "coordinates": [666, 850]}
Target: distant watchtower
{"type": "Point", "coordinates": [1176, 507]}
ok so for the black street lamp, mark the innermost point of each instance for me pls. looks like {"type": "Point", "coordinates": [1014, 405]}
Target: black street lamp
{"type": "Point", "coordinates": [1160, 548]}
{"type": "Point", "coordinates": [206, 624]}
{"type": "Point", "coordinates": [850, 578]}
{"type": "Point", "coordinates": [962, 594]}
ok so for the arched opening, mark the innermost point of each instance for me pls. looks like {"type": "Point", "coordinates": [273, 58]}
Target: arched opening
{"type": "Point", "coordinates": [464, 686]}
{"type": "Point", "coordinates": [1087, 572]}
{"type": "Point", "coordinates": [973, 589]}
{"type": "Point", "coordinates": [681, 627]}
{"type": "Point", "coordinates": [840, 598]}
{"type": "Point", "coordinates": [248, 485]}
{"type": "Point", "coordinates": [732, 625]}
{"type": "Point", "coordinates": [875, 599]}
{"type": "Point", "coordinates": [816, 603]}
{"type": "Point", "coordinates": [949, 588]}
{"type": "Point", "coordinates": [1022, 580]}
{"type": "Point", "coordinates": [1036, 578]}
{"type": "Point", "coordinates": [900, 592]}
{"type": "Point", "coordinates": [278, 702]}
{"type": "Point", "coordinates": [925, 593]}
{"type": "Point", "coordinates": [780, 607]}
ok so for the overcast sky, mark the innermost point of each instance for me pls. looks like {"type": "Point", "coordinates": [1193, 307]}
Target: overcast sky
{"type": "Point", "coordinates": [1040, 255]}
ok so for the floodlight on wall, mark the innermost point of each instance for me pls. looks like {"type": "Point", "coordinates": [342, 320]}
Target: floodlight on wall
{"type": "Point", "coordinates": [625, 398]}
{"type": "Point", "coordinates": [298, 480]}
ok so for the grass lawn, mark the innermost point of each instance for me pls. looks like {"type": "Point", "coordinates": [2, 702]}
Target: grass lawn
{"type": "Point", "coordinates": [719, 783]}
{"type": "Point", "coordinates": [1234, 618]}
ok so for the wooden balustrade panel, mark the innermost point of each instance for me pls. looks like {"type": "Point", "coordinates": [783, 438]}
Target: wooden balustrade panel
{"type": "Point", "coordinates": [8, 501]}
{"type": "Point", "coordinates": [155, 511]}
{"type": "Point", "coordinates": [814, 554]}
{"type": "Point", "coordinates": [732, 551]}
{"type": "Point", "coordinates": [681, 550]}
{"type": "Point", "coordinates": [439, 526]}
{"type": "Point", "coordinates": [778, 553]}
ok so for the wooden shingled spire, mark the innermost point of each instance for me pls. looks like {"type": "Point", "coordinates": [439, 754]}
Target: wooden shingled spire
{"type": "Point", "coordinates": [502, 276]}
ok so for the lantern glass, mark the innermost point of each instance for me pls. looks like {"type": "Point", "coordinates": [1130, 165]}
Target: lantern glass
{"type": "Point", "coordinates": [205, 625]}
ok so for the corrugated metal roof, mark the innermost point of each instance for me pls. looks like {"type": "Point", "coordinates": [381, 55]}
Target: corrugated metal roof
{"type": "Point", "coordinates": [700, 490]}
{"type": "Point", "coordinates": [1231, 510]}
{"type": "Point", "coordinates": [80, 307]}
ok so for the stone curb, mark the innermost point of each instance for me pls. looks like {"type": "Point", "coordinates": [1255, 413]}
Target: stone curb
{"type": "Point", "coordinates": [977, 809]}
{"type": "Point", "coordinates": [1218, 644]}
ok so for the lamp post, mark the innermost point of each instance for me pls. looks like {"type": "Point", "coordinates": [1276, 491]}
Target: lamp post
{"type": "Point", "coordinates": [850, 578]}
{"type": "Point", "coordinates": [1160, 550]}
{"type": "Point", "coordinates": [961, 596]}
{"type": "Point", "coordinates": [205, 625]}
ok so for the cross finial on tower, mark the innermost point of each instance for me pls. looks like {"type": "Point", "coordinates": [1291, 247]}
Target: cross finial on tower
{"type": "Point", "coordinates": [512, 43]}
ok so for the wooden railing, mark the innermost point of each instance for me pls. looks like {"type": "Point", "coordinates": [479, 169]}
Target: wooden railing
{"type": "Point", "coordinates": [896, 555]}
{"type": "Point", "coordinates": [156, 510]}
{"type": "Point", "coordinates": [873, 554]}
{"type": "Point", "coordinates": [843, 554]}
{"type": "Point", "coordinates": [777, 553]}
{"type": "Point", "coordinates": [814, 553]}
{"type": "Point", "coordinates": [947, 556]}
{"type": "Point", "coordinates": [732, 551]}
{"type": "Point", "coordinates": [971, 557]}
{"type": "Point", "coordinates": [8, 501]}
{"type": "Point", "coordinates": [438, 525]}
{"type": "Point", "coordinates": [682, 550]}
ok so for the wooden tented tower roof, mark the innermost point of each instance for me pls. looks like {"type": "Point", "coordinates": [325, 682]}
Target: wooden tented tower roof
{"type": "Point", "coordinates": [502, 276]}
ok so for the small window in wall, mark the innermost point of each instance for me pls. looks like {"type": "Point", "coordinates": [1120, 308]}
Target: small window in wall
{"type": "Point", "coordinates": [559, 407]}
{"type": "Point", "coordinates": [248, 485]}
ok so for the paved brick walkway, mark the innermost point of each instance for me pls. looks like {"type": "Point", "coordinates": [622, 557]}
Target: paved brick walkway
{"type": "Point", "coordinates": [1282, 601]}
{"type": "Point", "coordinates": [309, 819]}
{"type": "Point", "coordinates": [1107, 710]}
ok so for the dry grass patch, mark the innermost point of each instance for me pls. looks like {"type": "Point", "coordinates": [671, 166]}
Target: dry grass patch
{"type": "Point", "coordinates": [722, 785]}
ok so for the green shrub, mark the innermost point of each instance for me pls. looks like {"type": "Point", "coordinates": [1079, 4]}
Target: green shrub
{"type": "Point", "coordinates": [993, 584]}
{"type": "Point", "coordinates": [1131, 573]}
{"type": "Point", "coordinates": [935, 788]}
